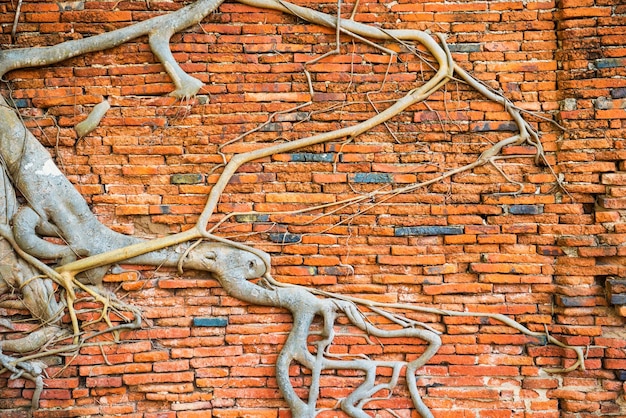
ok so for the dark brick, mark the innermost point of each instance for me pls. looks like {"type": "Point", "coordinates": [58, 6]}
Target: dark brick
{"type": "Point", "coordinates": [619, 299]}
{"type": "Point", "coordinates": [464, 47]}
{"type": "Point", "coordinates": [71, 5]}
{"type": "Point", "coordinates": [21, 103]}
{"type": "Point", "coordinates": [494, 126]}
{"type": "Point", "coordinates": [272, 127]}
{"type": "Point", "coordinates": [310, 157]}
{"type": "Point", "coordinates": [372, 178]}
{"type": "Point", "coordinates": [210, 322]}
{"type": "Point", "coordinates": [252, 218]}
{"type": "Point", "coordinates": [285, 237]}
{"type": "Point", "coordinates": [618, 93]}
{"type": "Point", "coordinates": [576, 301]}
{"type": "Point", "coordinates": [525, 209]}
{"type": "Point", "coordinates": [610, 62]}
{"type": "Point", "coordinates": [428, 230]}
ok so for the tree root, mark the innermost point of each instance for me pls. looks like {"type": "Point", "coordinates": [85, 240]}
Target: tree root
{"type": "Point", "coordinates": [580, 355]}
{"type": "Point", "coordinates": [30, 370]}
{"type": "Point", "coordinates": [92, 121]}
{"type": "Point", "coordinates": [304, 307]}
{"type": "Point", "coordinates": [304, 303]}
{"type": "Point", "coordinates": [34, 340]}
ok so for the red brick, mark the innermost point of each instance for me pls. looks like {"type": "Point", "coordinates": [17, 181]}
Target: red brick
{"type": "Point", "coordinates": [151, 356]}
{"type": "Point", "coordinates": [612, 202]}
{"type": "Point", "coordinates": [484, 370]}
{"type": "Point", "coordinates": [242, 412]}
{"type": "Point", "coordinates": [170, 366]}
{"type": "Point", "coordinates": [411, 260]}
{"type": "Point", "coordinates": [99, 382]}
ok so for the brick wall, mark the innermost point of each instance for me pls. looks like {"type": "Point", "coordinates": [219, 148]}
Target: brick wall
{"type": "Point", "coordinates": [547, 258]}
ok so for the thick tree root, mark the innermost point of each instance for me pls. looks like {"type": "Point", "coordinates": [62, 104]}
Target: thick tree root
{"type": "Point", "coordinates": [34, 340]}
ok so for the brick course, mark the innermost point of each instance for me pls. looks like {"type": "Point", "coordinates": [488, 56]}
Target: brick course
{"type": "Point", "coordinates": [547, 258]}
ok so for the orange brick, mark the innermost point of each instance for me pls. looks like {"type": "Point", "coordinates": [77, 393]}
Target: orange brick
{"type": "Point", "coordinates": [411, 260]}
{"type": "Point", "coordinates": [457, 288]}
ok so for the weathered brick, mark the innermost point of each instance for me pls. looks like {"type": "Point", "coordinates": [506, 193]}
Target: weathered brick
{"type": "Point", "coordinates": [186, 178]}
{"type": "Point", "coordinates": [311, 157]}
{"type": "Point", "coordinates": [99, 382]}
{"type": "Point", "coordinates": [607, 216]}
{"type": "Point", "coordinates": [285, 238]}
{"type": "Point", "coordinates": [607, 202]}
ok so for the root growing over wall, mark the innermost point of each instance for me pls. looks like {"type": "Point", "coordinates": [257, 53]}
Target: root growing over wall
{"type": "Point", "coordinates": [90, 248]}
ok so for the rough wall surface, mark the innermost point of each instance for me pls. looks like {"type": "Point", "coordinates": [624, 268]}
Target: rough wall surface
{"type": "Point", "coordinates": [504, 240]}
